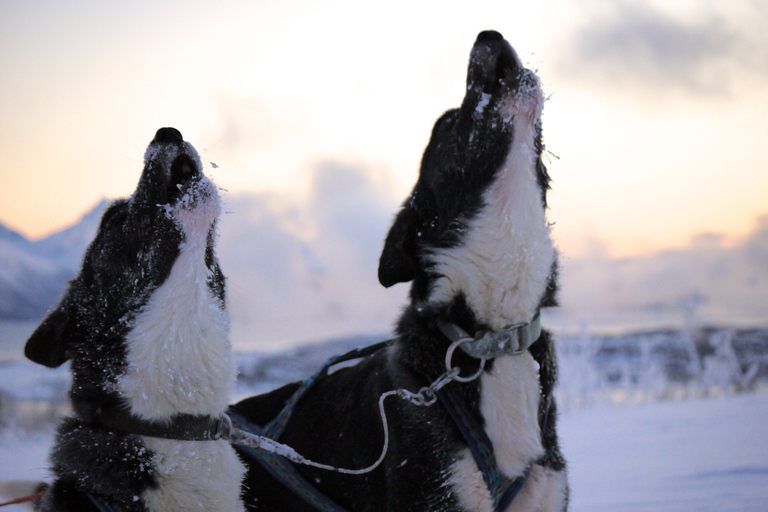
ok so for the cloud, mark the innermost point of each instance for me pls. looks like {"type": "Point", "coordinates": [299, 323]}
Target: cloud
{"type": "Point", "coordinates": [635, 46]}
{"type": "Point", "coordinates": [351, 211]}
{"type": "Point", "coordinates": [304, 268]}
{"type": "Point", "coordinates": [244, 122]}
{"type": "Point", "coordinates": [707, 281]}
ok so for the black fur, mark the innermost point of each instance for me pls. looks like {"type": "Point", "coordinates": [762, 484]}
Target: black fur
{"type": "Point", "coordinates": [131, 255]}
{"type": "Point", "coordinates": [337, 422]}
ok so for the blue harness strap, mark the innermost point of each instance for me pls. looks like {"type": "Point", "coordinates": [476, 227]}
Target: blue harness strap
{"type": "Point", "coordinates": [274, 429]}
{"type": "Point", "coordinates": [284, 471]}
{"type": "Point", "coordinates": [502, 488]}
{"type": "Point", "coordinates": [103, 507]}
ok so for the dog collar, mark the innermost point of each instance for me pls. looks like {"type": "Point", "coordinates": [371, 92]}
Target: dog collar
{"type": "Point", "coordinates": [489, 344]}
{"type": "Point", "coordinates": [181, 427]}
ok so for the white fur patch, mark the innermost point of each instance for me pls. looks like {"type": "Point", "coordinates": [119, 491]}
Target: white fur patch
{"type": "Point", "coordinates": [509, 403]}
{"type": "Point", "coordinates": [504, 261]}
{"type": "Point", "coordinates": [179, 358]}
{"type": "Point", "coordinates": [195, 475]}
{"type": "Point", "coordinates": [179, 352]}
{"type": "Point", "coordinates": [468, 484]}
{"type": "Point", "coordinates": [544, 491]}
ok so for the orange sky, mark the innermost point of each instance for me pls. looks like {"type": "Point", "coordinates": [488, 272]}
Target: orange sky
{"type": "Point", "coordinates": [657, 115]}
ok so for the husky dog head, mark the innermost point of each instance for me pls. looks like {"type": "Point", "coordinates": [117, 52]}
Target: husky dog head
{"type": "Point", "coordinates": [173, 210]}
{"type": "Point", "coordinates": [474, 227]}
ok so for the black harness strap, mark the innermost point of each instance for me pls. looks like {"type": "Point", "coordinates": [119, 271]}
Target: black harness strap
{"type": "Point", "coordinates": [503, 489]}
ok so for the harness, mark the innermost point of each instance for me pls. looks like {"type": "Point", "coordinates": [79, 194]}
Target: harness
{"type": "Point", "coordinates": [276, 458]}
{"type": "Point", "coordinates": [503, 490]}
{"type": "Point", "coordinates": [102, 505]}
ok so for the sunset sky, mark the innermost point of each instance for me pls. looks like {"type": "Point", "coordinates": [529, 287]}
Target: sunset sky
{"type": "Point", "coordinates": [657, 118]}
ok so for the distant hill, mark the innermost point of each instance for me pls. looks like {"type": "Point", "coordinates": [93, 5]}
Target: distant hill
{"type": "Point", "coordinates": [33, 274]}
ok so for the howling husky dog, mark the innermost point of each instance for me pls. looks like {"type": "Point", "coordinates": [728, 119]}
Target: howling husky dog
{"type": "Point", "coordinates": [474, 239]}
{"type": "Point", "coordinates": [145, 328]}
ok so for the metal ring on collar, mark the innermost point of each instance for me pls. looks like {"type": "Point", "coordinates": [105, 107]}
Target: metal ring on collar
{"type": "Point", "coordinates": [449, 357]}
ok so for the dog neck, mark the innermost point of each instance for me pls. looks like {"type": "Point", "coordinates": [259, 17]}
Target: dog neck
{"type": "Point", "coordinates": [179, 354]}
{"type": "Point", "coordinates": [513, 340]}
{"type": "Point", "coordinates": [503, 264]}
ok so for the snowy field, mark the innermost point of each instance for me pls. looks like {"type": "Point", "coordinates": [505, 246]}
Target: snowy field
{"type": "Point", "coordinates": [661, 421]}
{"type": "Point", "coordinates": [699, 455]}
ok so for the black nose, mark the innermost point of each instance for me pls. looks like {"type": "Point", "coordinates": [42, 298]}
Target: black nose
{"type": "Point", "coordinates": [168, 136]}
{"type": "Point", "coordinates": [489, 36]}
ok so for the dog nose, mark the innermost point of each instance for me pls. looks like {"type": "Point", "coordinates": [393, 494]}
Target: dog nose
{"type": "Point", "coordinates": [489, 36]}
{"type": "Point", "coordinates": [168, 136]}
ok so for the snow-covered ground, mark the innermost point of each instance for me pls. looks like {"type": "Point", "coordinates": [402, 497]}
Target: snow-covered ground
{"type": "Point", "coordinates": [662, 421]}
{"type": "Point", "coordinates": [707, 454]}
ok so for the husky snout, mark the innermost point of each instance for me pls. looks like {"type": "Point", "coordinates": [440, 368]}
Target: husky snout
{"type": "Point", "coordinates": [493, 64]}
{"type": "Point", "coordinates": [171, 167]}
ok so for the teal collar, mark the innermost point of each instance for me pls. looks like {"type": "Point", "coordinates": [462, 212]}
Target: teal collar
{"type": "Point", "coordinates": [488, 344]}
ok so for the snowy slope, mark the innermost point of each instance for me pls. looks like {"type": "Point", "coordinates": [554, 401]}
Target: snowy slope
{"type": "Point", "coordinates": [65, 248]}
{"type": "Point", "coordinates": [33, 274]}
{"type": "Point", "coordinates": [29, 284]}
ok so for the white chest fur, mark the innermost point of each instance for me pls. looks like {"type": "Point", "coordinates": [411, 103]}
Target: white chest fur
{"type": "Point", "coordinates": [195, 475]}
{"type": "Point", "coordinates": [180, 361]}
{"type": "Point", "coordinates": [509, 403]}
{"type": "Point", "coordinates": [179, 353]}
{"type": "Point", "coordinates": [503, 264]}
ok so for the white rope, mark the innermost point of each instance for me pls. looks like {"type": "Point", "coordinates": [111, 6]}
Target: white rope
{"type": "Point", "coordinates": [426, 396]}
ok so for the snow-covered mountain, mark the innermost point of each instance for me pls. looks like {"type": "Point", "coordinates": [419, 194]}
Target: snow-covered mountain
{"type": "Point", "coordinates": [33, 274]}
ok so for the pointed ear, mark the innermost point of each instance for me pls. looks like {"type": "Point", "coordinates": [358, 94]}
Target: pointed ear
{"type": "Point", "coordinates": [398, 262]}
{"type": "Point", "coordinates": [48, 344]}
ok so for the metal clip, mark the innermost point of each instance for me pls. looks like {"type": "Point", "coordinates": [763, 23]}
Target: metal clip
{"type": "Point", "coordinates": [224, 428]}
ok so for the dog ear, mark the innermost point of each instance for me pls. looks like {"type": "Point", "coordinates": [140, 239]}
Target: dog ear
{"type": "Point", "coordinates": [49, 343]}
{"type": "Point", "coordinates": [398, 259]}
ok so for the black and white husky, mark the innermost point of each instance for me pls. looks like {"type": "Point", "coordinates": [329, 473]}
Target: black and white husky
{"type": "Point", "coordinates": [145, 328]}
{"type": "Point", "coordinates": [474, 239]}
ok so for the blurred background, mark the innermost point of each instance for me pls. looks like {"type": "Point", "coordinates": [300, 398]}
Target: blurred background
{"type": "Point", "coordinates": [312, 117]}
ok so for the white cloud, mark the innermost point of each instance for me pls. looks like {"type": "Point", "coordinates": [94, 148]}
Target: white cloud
{"type": "Point", "coordinates": [710, 50]}
{"type": "Point", "coordinates": [706, 281]}
{"type": "Point", "coordinates": [304, 268]}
